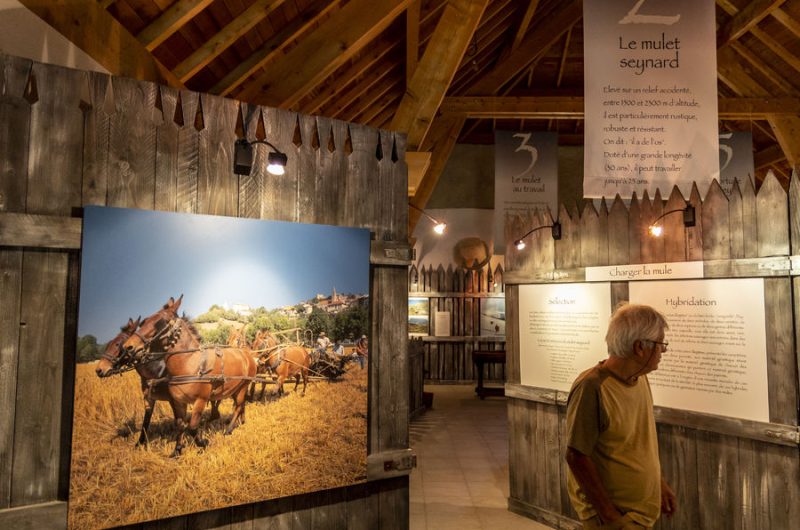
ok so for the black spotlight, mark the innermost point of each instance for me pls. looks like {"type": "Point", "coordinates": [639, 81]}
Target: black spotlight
{"type": "Point", "coordinates": [242, 157]}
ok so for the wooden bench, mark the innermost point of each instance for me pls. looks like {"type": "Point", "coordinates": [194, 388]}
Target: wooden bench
{"type": "Point", "coordinates": [480, 358]}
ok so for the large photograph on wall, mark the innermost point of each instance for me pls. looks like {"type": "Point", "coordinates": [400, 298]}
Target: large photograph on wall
{"type": "Point", "coordinates": [190, 324]}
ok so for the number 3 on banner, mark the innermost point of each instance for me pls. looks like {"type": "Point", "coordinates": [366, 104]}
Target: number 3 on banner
{"type": "Point", "coordinates": [633, 17]}
{"type": "Point", "coordinates": [532, 151]}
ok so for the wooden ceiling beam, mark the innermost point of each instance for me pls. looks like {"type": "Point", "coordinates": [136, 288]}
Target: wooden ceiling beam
{"type": "Point", "coordinates": [225, 37]}
{"type": "Point", "coordinates": [92, 29]}
{"type": "Point", "coordinates": [356, 92]}
{"type": "Point", "coordinates": [356, 107]}
{"type": "Point", "coordinates": [784, 54]}
{"type": "Point", "coordinates": [292, 76]}
{"type": "Point", "coordinates": [105, 4]}
{"type": "Point", "coordinates": [363, 67]}
{"type": "Point", "coordinates": [170, 21]}
{"type": "Point", "coordinates": [412, 38]}
{"type": "Point", "coordinates": [785, 127]}
{"type": "Point", "coordinates": [524, 24]}
{"type": "Point", "coordinates": [273, 47]}
{"type": "Point", "coordinates": [769, 156]}
{"type": "Point", "coordinates": [534, 44]}
{"type": "Point", "coordinates": [437, 68]}
{"type": "Point", "coordinates": [783, 85]}
{"type": "Point", "coordinates": [746, 19]}
{"type": "Point", "coordinates": [788, 22]}
{"type": "Point", "coordinates": [490, 107]}
{"type": "Point", "coordinates": [363, 106]}
{"type": "Point", "coordinates": [448, 131]}
{"type": "Point", "coordinates": [563, 62]}
{"type": "Point", "coordinates": [378, 106]}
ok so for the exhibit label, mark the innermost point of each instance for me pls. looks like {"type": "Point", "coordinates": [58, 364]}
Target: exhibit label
{"type": "Point", "coordinates": [562, 331]}
{"type": "Point", "coordinates": [650, 85]}
{"type": "Point", "coordinates": [526, 177]}
{"type": "Point", "coordinates": [645, 271]}
{"type": "Point", "coordinates": [716, 362]}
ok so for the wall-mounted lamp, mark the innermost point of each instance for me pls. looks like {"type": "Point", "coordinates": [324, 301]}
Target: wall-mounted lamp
{"type": "Point", "coordinates": [438, 226]}
{"type": "Point", "coordinates": [555, 232]}
{"type": "Point", "coordinates": [655, 229]}
{"type": "Point", "coordinates": [243, 157]}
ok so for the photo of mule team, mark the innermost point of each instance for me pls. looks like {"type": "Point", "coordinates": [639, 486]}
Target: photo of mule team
{"type": "Point", "coordinates": [178, 414]}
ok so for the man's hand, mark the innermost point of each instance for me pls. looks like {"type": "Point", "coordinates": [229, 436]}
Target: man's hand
{"type": "Point", "coordinates": [669, 503]}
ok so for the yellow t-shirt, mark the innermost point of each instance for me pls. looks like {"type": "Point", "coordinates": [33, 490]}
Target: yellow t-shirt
{"type": "Point", "coordinates": [612, 422]}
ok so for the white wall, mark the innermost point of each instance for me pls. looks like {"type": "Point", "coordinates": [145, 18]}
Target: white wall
{"type": "Point", "coordinates": [25, 35]}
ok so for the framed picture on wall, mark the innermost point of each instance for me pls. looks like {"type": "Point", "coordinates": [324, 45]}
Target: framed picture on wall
{"type": "Point", "coordinates": [184, 314]}
{"type": "Point", "coordinates": [493, 316]}
{"type": "Point", "coordinates": [418, 317]}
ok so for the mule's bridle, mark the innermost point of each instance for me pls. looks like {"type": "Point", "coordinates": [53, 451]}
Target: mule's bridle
{"type": "Point", "coordinates": [145, 354]}
{"type": "Point", "coordinates": [119, 362]}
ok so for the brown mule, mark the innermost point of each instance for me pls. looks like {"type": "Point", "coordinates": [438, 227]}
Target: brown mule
{"type": "Point", "coordinates": [113, 360]}
{"type": "Point", "coordinates": [292, 361]}
{"type": "Point", "coordinates": [264, 346]}
{"type": "Point", "coordinates": [194, 375]}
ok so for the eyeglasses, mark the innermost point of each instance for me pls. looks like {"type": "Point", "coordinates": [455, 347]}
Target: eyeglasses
{"type": "Point", "coordinates": [664, 344]}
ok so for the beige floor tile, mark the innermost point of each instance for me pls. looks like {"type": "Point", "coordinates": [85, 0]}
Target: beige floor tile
{"type": "Point", "coordinates": [461, 480]}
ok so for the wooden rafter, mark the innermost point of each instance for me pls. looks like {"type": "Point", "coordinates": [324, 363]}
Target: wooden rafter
{"type": "Point", "coordinates": [170, 21]}
{"type": "Point", "coordinates": [273, 47]}
{"type": "Point", "coordinates": [362, 106]}
{"type": "Point", "coordinates": [783, 85]}
{"type": "Point", "coordinates": [289, 79]}
{"type": "Point", "coordinates": [746, 19]}
{"type": "Point", "coordinates": [769, 156]}
{"type": "Point", "coordinates": [777, 48]}
{"type": "Point", "coordinates": [91, 28]}
{"type": "Point", "coordinates": [437, 68]}
{"type": "Point", "coordinates": [486, 107]}
{"type": "Point", "coordinates": [530, 49]}
{"type": "Point", "coordinates": [225, 37]}
{"type": "Point", "coordinates": [788, 22]}
{"type": "Point", "coordinates": [785, 127]}
{"type": "Point", "coordinates": [412, 38]}
{"type": "Point", "coordinates": [563, 61]}
{"type": "Point", "coordinates": [354, 94]}
{"type": "Point", "coordinates": [524, 24]}
{"type": "Point", "coordinates": [447, 133]}
{"type": "Point", "coordinates": [341, 86]}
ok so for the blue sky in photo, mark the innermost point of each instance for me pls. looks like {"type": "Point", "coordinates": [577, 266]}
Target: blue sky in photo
{"type": "Point", "coordinates": [134, 260]}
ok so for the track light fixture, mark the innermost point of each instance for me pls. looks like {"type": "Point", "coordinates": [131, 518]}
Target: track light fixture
{"type": "Point", "coordinates": [655, 229]}
{"type": "Point", "coordinates": [243, 157]}
{"type": "Point", "coordinates": [438, 226]}
{"type": "Point", "coordinates": [555, 232]}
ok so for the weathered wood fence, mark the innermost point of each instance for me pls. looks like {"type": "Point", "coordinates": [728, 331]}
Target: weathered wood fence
{"type": "Point", "coordinates": [70, 138]}
{"type": "Point", "coordinates": [460, 292]}
{"type": "Point", "coordinates": [727, 472]}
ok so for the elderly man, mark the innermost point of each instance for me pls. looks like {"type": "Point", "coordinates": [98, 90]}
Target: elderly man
{"type": "Point", "coordinates": [614, 474]}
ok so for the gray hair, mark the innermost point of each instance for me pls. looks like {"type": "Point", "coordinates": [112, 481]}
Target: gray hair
{"type": "Point", "coordinates": [632, 322]}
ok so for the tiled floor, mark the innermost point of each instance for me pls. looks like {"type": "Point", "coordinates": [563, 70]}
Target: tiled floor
{"type": "Point", "coordinates": [461, 479]}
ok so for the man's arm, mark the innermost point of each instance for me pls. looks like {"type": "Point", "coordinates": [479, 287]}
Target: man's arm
{"type": "Point", "coordinates": [586, 474]}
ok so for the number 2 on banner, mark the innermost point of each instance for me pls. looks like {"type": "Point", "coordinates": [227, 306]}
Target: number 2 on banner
{"type": "Point", "coordinates": [532, 151]}
{"type": "Point", "coordinates": [633, 17]}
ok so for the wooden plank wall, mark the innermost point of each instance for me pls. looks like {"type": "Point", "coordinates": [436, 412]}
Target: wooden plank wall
{"type": "Point", "coordinates": [461, 292]}
{"type": "Point", "coordinates": [727, 473]}
{"type": "Point", "coordinates": [70, 138]}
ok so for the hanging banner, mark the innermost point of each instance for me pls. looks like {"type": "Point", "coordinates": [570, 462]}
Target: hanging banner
{"type": "Point", "coordinates": [735, 159]}
{"type": "Point", "coordinates": [525, 176]}
{"type": "Point", "coordinates": [650, 92]}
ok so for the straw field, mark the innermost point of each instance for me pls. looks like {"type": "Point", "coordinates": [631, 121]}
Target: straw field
{"type": "Point", "coordinates": [287, 446]}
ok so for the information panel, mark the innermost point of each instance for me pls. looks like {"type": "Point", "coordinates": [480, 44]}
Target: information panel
{"type": "Point", "coordinates": [562, 331]}
{"type": "Point", "coordinates": [717, 357]}
{"type": "Point", "coordinates": [650, 88]}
